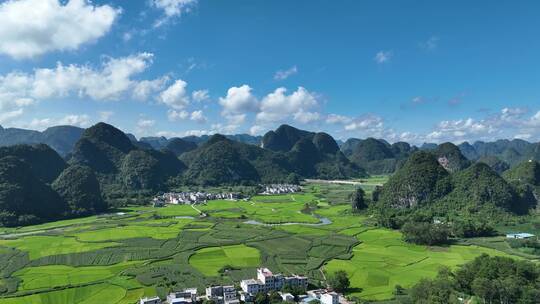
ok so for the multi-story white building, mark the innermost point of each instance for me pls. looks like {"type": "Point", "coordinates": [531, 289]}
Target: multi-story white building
{"type": "Point", "coordinates": [267, 281]}
{"type": "Point", "coordinates": [251, 286]}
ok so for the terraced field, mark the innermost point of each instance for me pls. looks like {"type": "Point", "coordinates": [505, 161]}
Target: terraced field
{"type": "Point", "coordinates": [118, 258]}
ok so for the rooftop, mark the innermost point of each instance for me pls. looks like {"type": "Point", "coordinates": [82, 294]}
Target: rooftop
{"type": "Point", "coordinates": [266, 272]}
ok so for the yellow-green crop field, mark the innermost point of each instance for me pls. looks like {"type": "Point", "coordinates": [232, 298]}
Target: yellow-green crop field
{"type": "Point", "coordinates": [149, 251]}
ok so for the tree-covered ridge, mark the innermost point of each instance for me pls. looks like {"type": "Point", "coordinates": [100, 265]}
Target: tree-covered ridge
{"type": "Point", "coordinates": [450, 157]}
{"type": "Point", "coordinates": [36, 186]}
{"type": "Point", "coordinates": [377, 156]}
{"type": "Point", "coordinates": [217, 162]}
{"type": "Point", "coordinates": [311, 155]}
{"type": "Point", "coordinates": [284, 138]}
{"type": "Point", "coordinates": [421, 180]}
{"type": "Point", "coordinates": [525, 178]}
{"type": "Point", "coordinates": [470, 202]}
{"type": "Point", "coordinates": [44, 161]}
{"type": "Point", "coordinates": [122, 165]}
{"type": "Point", "coordinates": [528, 172]}
{"type": "Point", "coordinates": [24, 197]}
{"type": "Point", "coordinates": [79, 187]}
{"type": "Point", "coordinates": [179, 146]}
{"type": "Point", "coordinates": [479, 187]}
{"type": "Point", "coordinates": [495, 163]}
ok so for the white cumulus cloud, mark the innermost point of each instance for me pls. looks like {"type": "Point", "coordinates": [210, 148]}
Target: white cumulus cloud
{"type": "Point", "coordinates": [278, 106]}
{"type": "Point", "coordinates": [238, 100]}
{"type": "Point", "coordinates": [30, 28]}
{"type": "Point", "coordinates": [145, 88]}
{"type": "Point", "coordinates": [108, 83]}
{"type": "Point", "coordinates": [176, 96]}
{"type": "Point", "coordinates": [198, 116]}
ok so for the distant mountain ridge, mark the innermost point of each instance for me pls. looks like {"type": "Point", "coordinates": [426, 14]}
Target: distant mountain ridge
{"type": "Point", "coordinates": [161, 141]}
{"type": "Point", "coordinates": [60, 138]}
{"type": "Point", "coordinates": [377, 156]}
{"type": "Point", "coordinates": [512, 151]}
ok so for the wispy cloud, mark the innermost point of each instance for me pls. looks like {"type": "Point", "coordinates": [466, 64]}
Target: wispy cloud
{"type": "Point", "coordinates": [383, 57]}
{"type": "Point", "coordinates": [431, 44]}
{"type": "Point", "coordinates": [172, 9]}
{"type": "Point", "coordinates": [284, 74]}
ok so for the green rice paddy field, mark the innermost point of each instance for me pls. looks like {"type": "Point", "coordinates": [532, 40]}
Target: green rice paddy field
{"type": "Point", "coordinates": [145, 251]}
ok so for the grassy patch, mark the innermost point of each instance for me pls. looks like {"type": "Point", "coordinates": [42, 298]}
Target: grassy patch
{"type": "Point", "coordinates": [158, 229]}
{"type": "Point", "coordinates": [383, 260]}
{"type": "Point", "coordinates": [52, 276]}
{"type": "Point", "coordinates": [93, 294]}
{"type": "Point", "coordinates": [209, 261]}
{"type": "Point", "coordinates": [40, 246]}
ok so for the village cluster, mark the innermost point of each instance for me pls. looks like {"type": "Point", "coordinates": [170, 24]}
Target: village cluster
{"type": "Point", "coordinates": [280, 189]}
{"type": "Point", "coordinates": [265, 283]}
{"type": "Point", "coordinates": [190, 198]}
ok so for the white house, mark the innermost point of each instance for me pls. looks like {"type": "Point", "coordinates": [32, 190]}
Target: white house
{"type": "Point", "coordinates": [330, 298]}
{"type": "Point", "coordinates": [229, 295]}
{"type": "Point", "coordinates": [287, 297]}
{"type": "Point", "coordinates": [187, 296]}
{"type": "Point", "coordinates": [154, 300]}
{"type": "Point", "coordinates": [250, 286]}
{"type": "Point", "coordinates": [519, 236]}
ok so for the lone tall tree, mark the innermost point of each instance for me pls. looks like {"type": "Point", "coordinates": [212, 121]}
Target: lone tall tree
{"type": "Point", "coordinates": [339, 281]}
{"type": "Point", "coordinates": [357, 200]}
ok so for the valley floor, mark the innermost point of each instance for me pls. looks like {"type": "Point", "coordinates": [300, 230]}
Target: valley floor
{"type": "Point", "coordinates": [144, 251]}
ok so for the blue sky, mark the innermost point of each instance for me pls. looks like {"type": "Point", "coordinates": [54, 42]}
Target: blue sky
{"type": "Point", "coordinates": [400, 70]}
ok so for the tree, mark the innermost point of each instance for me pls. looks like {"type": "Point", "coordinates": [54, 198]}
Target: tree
{"type": "Point", "coordinates": [261, 298]}
{"type": "Point", "coordinates": [275, 297]}
{"type": "Point", "coordinates": [494, 280]}
{"type": "Point", "coordinates": [357, 200]}
{"type": "Point", "coordinates": [423, 233]}
{"type": "Point", "coordinates": [483, 288]}
{"type": "Point", "coordinates": [339, 281]}
{"type": "Point", "coordinates": [293, 179]}
{"type": "Point", "coordinates": [399, 290]}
